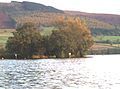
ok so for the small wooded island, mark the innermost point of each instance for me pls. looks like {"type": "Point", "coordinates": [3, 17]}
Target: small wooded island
{"type": "Point", "coordinates": [70, 38]}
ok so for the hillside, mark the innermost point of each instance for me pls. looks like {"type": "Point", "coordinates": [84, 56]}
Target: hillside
{"type": "Point", "coordinates": [15, 13]}
{"type": "Point", "coordinates": [15, 6]}
{"type": "Point", "coordinates": [108, 18]}
{"type": "Point", "coordinates": [6, 21]}
{"type": "Point", "coordinates": [9, 10]}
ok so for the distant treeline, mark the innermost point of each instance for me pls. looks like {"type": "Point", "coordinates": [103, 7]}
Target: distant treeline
{"type": "Point", "coordinates": [46, 19]}
{"type": "Point", "coordinates": [105, 32]}
{"type": "Point", "coordinates": [105, 51]}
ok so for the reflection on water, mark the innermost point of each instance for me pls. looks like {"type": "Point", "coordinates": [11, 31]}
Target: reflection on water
{"type": "Point", "coordinates": [99, 72]}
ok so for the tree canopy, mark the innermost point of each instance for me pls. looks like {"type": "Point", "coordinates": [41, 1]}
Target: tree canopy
{"type": "Point", "coordinates": [25, 42]}
{"type": "Point", "coordinates": [73, 37]}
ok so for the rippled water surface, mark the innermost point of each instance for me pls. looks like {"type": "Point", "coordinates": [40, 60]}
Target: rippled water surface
{"type": "Point", "coordinates": [98, 72]}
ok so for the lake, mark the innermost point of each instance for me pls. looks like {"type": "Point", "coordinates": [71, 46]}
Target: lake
{"type": "Point", "coordinates": [96, 72]}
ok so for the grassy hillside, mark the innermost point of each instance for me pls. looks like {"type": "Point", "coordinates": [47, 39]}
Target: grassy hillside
{"type": "Point", "coordinates": [107, 39]}
{"type": "Point", "coordinates": [4, 34]}
{"type": "Point", "coordinates": [47, 31]}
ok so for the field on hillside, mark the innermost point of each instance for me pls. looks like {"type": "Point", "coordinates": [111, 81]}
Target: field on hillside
{"type": "Point", "coordinates": [4, 34]}
{"type": "Point", "coordinates": [47, 31]}
{"type": "Point", "coordinates": [107, 38]}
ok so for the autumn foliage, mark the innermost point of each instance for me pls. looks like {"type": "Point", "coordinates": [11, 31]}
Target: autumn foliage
{"type": "Point", "coordinates": [71, 37]}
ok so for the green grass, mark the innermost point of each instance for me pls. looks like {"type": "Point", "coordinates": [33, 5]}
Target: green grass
{"type": "Point", "coordinates": [3, 39]}
{"type": "Point", "coordinates": [105, 38]}
{"type": "Point", "coordinates": [47, 31]}
{"type": "Point", "coordinates": [4, 35]}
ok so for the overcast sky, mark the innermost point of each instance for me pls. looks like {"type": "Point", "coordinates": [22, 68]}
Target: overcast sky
{"type": "Point", "coordinates": [92, 6]}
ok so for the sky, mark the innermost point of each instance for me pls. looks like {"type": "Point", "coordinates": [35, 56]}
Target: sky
{"type": "Point", "coordinates": [91, 6]}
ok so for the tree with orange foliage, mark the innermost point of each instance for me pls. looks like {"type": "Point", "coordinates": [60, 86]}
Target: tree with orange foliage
{"type": "Point", "coordinates": [72, 37]}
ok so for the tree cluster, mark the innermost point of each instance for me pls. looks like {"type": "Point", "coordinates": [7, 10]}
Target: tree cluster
{"type": "Point", "coordinates": [72, 39]}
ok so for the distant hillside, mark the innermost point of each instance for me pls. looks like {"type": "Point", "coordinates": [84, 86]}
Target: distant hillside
{"type": "Point", "coordinates": [9, 10]}
{"type": "Point", "coordinates": [6, 21]}
{"type": "Point", "coordinates": [108, 18]}
{"type": "Point", "coordinates": [15, 6]}
{"type": "Point", "coordinates": [15, 13]}
{"type": "Point", "coordinates": [100, 24]}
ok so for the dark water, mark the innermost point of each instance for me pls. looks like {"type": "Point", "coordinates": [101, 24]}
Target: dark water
{"type": "Point", "coordinates": [99, 72]}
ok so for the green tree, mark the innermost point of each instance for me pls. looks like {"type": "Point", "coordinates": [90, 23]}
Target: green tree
{"type": "Point", "coordinates": [26, 41]}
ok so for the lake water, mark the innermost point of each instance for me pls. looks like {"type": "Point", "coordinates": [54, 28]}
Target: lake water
{"type": "Point", "coordinates": [97, 72]}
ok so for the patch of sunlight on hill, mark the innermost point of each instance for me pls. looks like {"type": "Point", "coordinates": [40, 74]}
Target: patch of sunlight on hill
{"type": "Point", "coordinates": [47, 31]}
{"type": "Point", "coordinates": [4, 35]}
